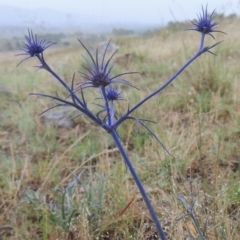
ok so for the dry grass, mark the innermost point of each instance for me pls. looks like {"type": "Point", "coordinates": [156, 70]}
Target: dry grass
{"type": "Point", "coordinates": [198, 120]}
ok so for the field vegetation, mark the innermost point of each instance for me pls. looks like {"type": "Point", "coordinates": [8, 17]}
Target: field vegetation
{"type": "Point", "coordinates": [65, 179]}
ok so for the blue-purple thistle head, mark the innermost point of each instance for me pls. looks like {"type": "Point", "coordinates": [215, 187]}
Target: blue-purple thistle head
{"type": "Point", "coordinates": [98, 73]}
{"type": "Point", "coordinates": [34, 46]}
{"type": "Point", "coordinates": [113, 94]}
{"type": "Point", "coordinates": [204, 24]}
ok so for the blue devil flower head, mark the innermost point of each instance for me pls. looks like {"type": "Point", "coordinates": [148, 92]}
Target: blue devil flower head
{"type": "Point", "coordinates": [113, 94]}
{"type": "Point", "coordinates": [204, 24]}
{"type": "Point", "coordinates": [99, 72]}
{"type": "Point", "coordinates": [34, 45]}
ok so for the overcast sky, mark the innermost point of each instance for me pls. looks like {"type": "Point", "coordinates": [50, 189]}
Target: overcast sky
{"type": "Point", "coordinates": [139, 11]}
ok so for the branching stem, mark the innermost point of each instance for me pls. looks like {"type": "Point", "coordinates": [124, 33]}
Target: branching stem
{"type": "Point", "coordinates": [139, 184]}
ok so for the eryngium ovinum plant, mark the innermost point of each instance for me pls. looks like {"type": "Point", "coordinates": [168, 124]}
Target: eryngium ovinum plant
{"type": "Point", "coordinates": [98, 75]}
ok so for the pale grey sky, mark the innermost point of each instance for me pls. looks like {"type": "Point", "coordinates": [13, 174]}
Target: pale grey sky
{"type": "Point", "coordinates": [138, 11]}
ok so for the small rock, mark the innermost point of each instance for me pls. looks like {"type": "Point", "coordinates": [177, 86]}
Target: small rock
{"type": "Point", "coordinates": [60, 118]}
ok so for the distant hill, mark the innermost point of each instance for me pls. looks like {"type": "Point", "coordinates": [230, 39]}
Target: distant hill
{"type": "Point", "coordinates": [14, 16]}
{"type": "Point", "coordinates": [45, 19]}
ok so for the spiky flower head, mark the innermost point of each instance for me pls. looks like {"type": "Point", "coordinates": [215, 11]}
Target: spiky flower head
{"type": "Point", "coordinates": [204, 24]}
{"type": "Point", "coordinates": [113, 94]}
{"type": "Point", "coordinates": [34, 45]}
{"type": "Point", "coordinates": [99, 72]}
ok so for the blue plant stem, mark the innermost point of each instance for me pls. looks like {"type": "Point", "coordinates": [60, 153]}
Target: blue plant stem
{"type": "Point", "coordinates": [139, 184]}
{"type": "Point", "coordinates": [102, 89]}
{"type": "Point", "coordinates": [47, 68]}
{"type": "Point", "coordinates": [124, 117]}
{"type": "Point", "coordinates": [202, 42]}
{"type": "Point", "coordinates": [82, 108]}
{"type": "Point", "coordinates": [111, 110]}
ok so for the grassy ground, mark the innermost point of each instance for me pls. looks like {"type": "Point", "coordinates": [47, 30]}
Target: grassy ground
{"type": "Point", "coordinates": [71, 182]}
